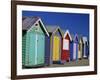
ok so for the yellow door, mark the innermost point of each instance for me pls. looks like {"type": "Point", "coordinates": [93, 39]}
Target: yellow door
{"type": "Point", "coordinates": [56, 48]}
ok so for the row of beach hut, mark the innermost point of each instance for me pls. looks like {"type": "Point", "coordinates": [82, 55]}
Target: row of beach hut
{"type": "Point", "coordinates": [45, 45]}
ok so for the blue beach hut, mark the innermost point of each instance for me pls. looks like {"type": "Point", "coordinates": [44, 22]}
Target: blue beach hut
{"type": "Point", "coordinates": [85, 47]}
{"type": "Point", "coordinates": [75, 47]}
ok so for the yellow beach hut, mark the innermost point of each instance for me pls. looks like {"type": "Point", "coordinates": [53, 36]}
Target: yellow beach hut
{"type": "Point", "coordinates": [55, 43]}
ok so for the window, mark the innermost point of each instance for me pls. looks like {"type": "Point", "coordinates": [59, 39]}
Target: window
{"type": "Point", "coordinates": [66, 44]}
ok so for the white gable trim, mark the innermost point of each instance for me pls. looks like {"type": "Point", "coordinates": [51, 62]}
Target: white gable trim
{"type": "Point", "coordinates": [67, 32]}
{"type": "Point", "coordinates": [44, 27]}
{"type": "Point", "coordinates": [42, 24]}
{"type": "Point", "coordinates": [58, 28]}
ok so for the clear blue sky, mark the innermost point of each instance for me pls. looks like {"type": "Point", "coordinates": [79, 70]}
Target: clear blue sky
{"type": "Point", "coordinates": [75, 23]}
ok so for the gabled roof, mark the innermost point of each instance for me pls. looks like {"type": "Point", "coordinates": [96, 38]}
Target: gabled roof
{"type": "Point", "coordinates": [52, 29]}
{"type": "Point", "coordinates": [28, 22]}
{"type": "Point", "coordinates": [67, 32]}
{"type": "Point", "coordinates": [84, 39]}
{"type": "Point", "coordinates": [75, 37]}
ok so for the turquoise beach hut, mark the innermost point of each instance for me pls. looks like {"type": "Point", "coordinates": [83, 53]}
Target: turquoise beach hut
{"type": "Point", "coordinates": [33, 42]}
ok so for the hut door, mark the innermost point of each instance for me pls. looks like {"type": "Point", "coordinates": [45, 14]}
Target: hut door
{"type": "Point", "coordinates": [40, 49]}
{"type": "Point", "coordinates": [56, 48]}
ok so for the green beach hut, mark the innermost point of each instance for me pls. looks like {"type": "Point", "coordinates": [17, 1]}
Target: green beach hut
{"type": "Point", "coordinates": [33, 42]}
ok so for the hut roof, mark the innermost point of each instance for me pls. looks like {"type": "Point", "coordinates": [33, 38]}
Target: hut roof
{"type": "Point", "coordinates": [67, 32]}
{"type": "Point", "coordinates": [27, 23]}
{"type": "Point", "coordinates": [52, 29]}
{"type": "Point", "coordinates": [76, 37]}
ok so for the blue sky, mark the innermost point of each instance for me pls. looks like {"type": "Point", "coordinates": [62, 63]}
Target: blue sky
{"type": "Point", "coordinates": [74, 22]}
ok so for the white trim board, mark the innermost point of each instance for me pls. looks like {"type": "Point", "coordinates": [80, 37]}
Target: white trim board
{"type": "Point", "coordinates": [21, 71]}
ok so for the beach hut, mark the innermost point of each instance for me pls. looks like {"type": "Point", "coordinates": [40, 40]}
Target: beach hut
{"type": "Point", "coordinates": [71, 47]}
{"type": "Point", "coordinates": [75, 47]}
{"type": "Point", "coordinates": [80, 47]}
{"type": "Point", "coordinates": [65, 56]}
{"type": "Point", "coordinates": [33, 42]}
{"type": "Point", "coordinates": [85, 47]}
{"type": "Point", "coordinates": [55, 43]}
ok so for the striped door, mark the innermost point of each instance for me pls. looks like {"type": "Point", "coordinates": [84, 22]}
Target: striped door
{"type": "Point", "coordinates": [56, 48]}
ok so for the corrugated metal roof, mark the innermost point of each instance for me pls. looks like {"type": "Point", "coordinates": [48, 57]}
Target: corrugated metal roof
{"type": "Point", "coordinates": [27, 22]}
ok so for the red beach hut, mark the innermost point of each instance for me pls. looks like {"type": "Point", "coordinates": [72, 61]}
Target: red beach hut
{"type": "Point", "coordinates": [66, 47]}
